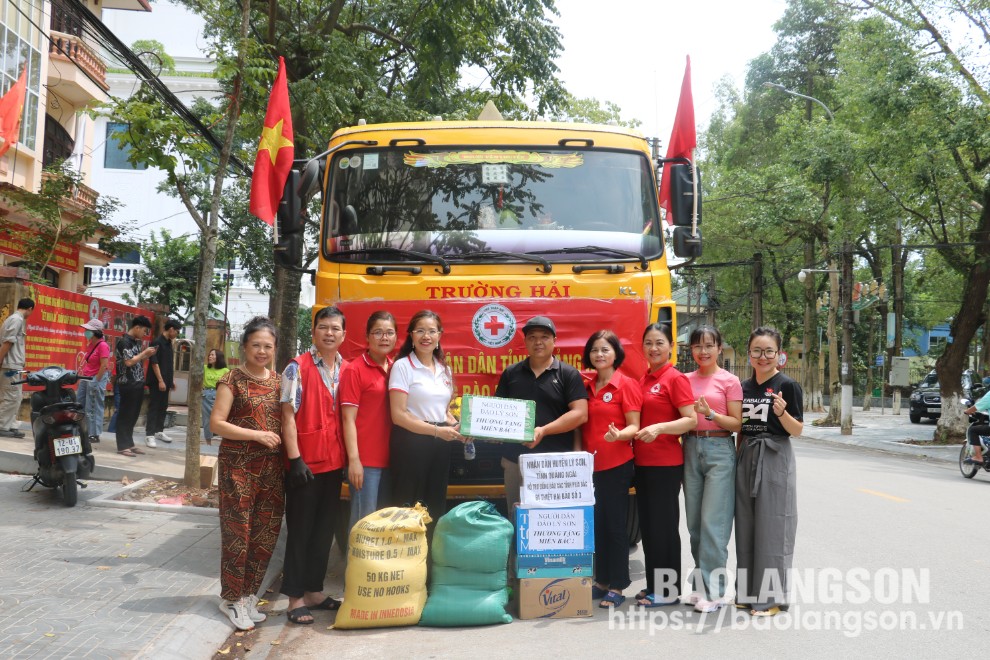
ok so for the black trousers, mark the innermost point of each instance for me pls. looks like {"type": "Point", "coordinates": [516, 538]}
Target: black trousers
{"type": "Point", "coordinates": [611, 533]}
{"type": "Point", "coordinates": [420, 466]}
{"type": "Point", "coordinates": [157, 407]}
{"type": "Point", "coordinates": [310, 519]}
{"type": "Point", "coordinates": [131, 398]}
{"type": "Point", "coordinates": [657, 490]}
{"type": "Point", "coordinates": [974, 432]}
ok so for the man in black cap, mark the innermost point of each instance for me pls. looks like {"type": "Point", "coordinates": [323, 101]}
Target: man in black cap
{"type": "Point", "coordinates": [560, 396]}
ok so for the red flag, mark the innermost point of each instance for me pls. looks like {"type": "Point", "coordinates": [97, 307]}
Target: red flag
{"type": "Point", "coordinates": [683, 139]}
{"type": "Point", "coordinates": [11, 109]}
{"type": "Point", "coordinates": [275, 152]}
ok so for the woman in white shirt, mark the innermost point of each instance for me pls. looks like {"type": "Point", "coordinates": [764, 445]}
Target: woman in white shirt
{"type": "Point", "coordinates": [420, 389]}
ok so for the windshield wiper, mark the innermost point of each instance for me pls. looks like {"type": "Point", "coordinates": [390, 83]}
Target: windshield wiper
{"type": "Point", "coordinates": [643, 264]}
{"type": "Point", "coordinates": [545, 265]}
{"type": "Point", "coordinates": [422, 256]}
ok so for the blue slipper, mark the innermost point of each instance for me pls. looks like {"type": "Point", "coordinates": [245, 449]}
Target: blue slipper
{"type": "Point", "coordinates": [654, 601]}
{"type": "Point", "coordinates": [611, 599]}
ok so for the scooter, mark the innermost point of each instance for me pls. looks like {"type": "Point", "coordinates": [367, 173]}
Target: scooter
{"type": "Point", "coordinates": [61, 444]}
{"type": "Point", "coordinates": [969, 470]}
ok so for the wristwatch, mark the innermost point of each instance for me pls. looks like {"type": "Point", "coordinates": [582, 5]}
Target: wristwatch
{"type": "Point", "coordinates": [710, 416]}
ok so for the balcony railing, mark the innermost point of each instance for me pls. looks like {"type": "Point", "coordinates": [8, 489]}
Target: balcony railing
{"type": "Point", "coordinates": [82, 200]}
{"type": "Point", "coordinates": [70, 48]}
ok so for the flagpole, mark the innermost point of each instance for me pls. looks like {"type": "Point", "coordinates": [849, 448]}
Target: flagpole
{"type": "Point", "coordinates": [694, 188]}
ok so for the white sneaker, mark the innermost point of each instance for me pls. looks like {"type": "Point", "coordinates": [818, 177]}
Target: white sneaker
{"type": "Point", "coordinates": [709, 606]}
{"type": "Point", "coordinates": [237, 612]}
{"type": "Point", "coordinates": [251, 602]}
{"type": "Point", "coordinates": [150, 441]}
{"type": "Point", "coordinates": [694, 599]}
{"type": "Point", "coordinates": [164, 438]}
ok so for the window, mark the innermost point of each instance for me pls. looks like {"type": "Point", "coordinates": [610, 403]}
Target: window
{"type": "Point", "coordinates": [58, 143]}
{"type": "Point", "coordinates": [116, 153]}
{"type": "Point", "coordinates": [19, 49]}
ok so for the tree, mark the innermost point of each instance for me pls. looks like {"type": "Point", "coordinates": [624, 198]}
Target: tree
{"type": "Point", "coordinates": [168, 279]}
{"type": "Point", "coordinates": [395, 60]}
{"type": "Point", "coordinates": [197, 171]}
{"type": "Point", "coordinates": [940, 180]}
{"type": "Point", "coordinates": [60, 218]}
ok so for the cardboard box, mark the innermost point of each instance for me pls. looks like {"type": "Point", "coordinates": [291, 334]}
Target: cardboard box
{"type": "Point", "coordinates": [555, 531]}
{"type": "Point", "coordinates": [557, 480]}
{"type": "Point", "coordinates": [555, 566]}
{"type": "Point", "coordinates": [555, 598]}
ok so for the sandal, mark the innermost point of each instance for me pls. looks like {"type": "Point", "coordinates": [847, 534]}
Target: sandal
{"type": "Point", "coordinates": [597, 593]}
{"type": "Point", "coordinates": [612, 599]}
{"type": "Point", "coordinates": [771, 611]}
{"type": "Point", "coordinates": [642, 595]}
{"type": "Point", "coordinates": [329, 604]}
{"type": "Point", "coordinates": [296, 615]}
{"type": "Point", "coordinates": [653, 601]}
{"type": "Point", "coordinates": [127, 452]}
{"type": "Point", "coordinates": [138, 450]}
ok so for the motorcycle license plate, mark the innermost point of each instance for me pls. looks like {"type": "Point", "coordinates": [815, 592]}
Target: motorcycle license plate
{"type": "Point", "coordinates": [934, 410]}
{"type": "Point", "coordinates": [67, 446]}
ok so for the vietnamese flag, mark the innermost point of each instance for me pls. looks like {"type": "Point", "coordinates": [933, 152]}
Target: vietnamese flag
{"type": "Point", "coordinates": [275, 152]}
{"type": "Point", "coordinates": [683, 139]}
{"type": "Point", "coordinates": [11, 109]}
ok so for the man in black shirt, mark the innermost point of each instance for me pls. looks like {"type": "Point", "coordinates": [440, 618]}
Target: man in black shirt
{"type": "Point", "coordinates": [560, 396]}
{"type": "Point", "coordinates": [161, 381]}
{"type": "Point", "coordinates": [130, 382]}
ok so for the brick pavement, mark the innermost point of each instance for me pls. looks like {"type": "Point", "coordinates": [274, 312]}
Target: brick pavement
{"type": "Point", "coordinates": [95, 582]}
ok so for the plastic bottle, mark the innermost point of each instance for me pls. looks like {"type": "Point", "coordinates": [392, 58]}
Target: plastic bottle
{"type": "Point", "coordinates": [469, 451]}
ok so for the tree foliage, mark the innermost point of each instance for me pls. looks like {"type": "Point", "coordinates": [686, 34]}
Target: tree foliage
{"type": "Point", "coordinates": [61, 217]}
{"type": "Point", "coordinates": [171, 266]}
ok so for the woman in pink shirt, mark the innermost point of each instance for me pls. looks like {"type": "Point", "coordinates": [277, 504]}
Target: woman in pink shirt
{"type": "Point", "coordinates": [94, 362]}
{"type": "Point", "coordinates": [710, 468]}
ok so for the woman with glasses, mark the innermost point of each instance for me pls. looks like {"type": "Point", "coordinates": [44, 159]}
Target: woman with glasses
{"type": "Point", "coordinates": [420, 389]}
{"type": "Point", "coordinates": [710, 468]}
{"type": "Point", "coordinates": [766, 481]}
{"type": "Point", "coordinates": [365, 418]}
{"type": "Point", "coordinates": [668, 413]}
{"type": "Point", "coordinates": [614, 402]}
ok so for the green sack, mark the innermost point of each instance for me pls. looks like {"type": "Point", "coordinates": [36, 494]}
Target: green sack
{"type": "Point", "coordinates": [468, 579]}
{"type": "Point", "coordinates": [473, 536]}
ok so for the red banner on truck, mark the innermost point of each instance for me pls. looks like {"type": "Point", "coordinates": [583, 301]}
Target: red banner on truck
{"type": "Point", "coordinates": [481, 337]}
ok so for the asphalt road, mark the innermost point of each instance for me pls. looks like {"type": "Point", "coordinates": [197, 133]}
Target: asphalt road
{"type": "Point", "coordinates": [891, 550]}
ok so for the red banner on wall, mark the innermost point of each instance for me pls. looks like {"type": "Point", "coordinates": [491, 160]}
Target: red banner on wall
{"type": "Point", "coordinates": [64, 257]}
{"type": "Point", "coordinates": [54, 335]}
{"type": "Point", "coordinates": [481, 338]}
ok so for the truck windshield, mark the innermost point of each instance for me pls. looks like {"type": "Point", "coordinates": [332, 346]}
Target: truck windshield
{"type": "Point", "coordinates": [455, 202]}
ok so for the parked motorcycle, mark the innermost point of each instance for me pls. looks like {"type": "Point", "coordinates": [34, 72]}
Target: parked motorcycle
{"type": "Point", "coordinates": [969, 470]}
{"type": "Point", "coordinates": [61, 443]}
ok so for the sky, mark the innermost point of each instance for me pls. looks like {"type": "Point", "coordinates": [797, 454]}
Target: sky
{"type": "Point", "coordinates": [633, 52]}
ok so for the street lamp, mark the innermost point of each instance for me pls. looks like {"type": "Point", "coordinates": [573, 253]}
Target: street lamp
{"type": "Point", "coordinates": [845, 295]}
{"type": "Point", "coordinates": [803, 273]}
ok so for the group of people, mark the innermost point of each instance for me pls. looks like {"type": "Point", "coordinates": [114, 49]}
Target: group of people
{"type": "Point", "coordinates": [287, 441]}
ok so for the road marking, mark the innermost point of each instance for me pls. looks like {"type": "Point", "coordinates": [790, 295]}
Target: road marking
{"type": "Point", "coordinates": [892, 498]}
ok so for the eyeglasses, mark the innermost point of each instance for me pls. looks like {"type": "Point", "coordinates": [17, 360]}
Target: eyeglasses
{"type": "Point", "coordinates": [420, 332]}
{"type": "Point", "coordinates": [378, 334]}
{"type": "Point", "coordinates": [757, 353]}
{"type": "Point", "coordinates": [604, 350]}
{"type": "Point", "coordinates": [704, 348]}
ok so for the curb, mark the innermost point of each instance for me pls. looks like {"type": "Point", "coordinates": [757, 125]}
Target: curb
{"type": "Point", "coordinates": [109, 500]}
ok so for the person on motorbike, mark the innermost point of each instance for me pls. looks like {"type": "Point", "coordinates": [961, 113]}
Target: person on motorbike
{"type": "Point", "coordinates": [974, 431]}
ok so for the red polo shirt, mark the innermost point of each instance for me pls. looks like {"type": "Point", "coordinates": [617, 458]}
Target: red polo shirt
{"type": "Point", "coordinates": [609, 405]}
{"type": "Point", "coordinates": [364, 385]}
{"type": "Point", "coordinates": [664, 391]}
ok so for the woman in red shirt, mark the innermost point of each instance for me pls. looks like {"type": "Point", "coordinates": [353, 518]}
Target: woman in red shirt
{"type": "Point", "coordinates": [614, 401]}
{"type": "Point", "coordinates": [668, 412]}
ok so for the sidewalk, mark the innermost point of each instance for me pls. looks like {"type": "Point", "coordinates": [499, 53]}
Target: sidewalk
{"type": "Point", "coordinates": [167, 461]}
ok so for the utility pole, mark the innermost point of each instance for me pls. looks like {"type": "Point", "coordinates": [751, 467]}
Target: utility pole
{"type": "Point", "coordinates": [847, 375]}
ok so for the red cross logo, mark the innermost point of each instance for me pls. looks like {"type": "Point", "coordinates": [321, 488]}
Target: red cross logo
{"type": "Point", "coordinates": [494, 325]}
